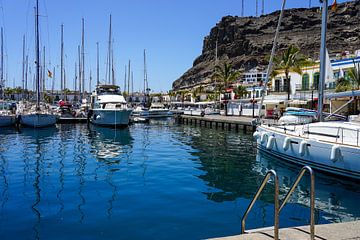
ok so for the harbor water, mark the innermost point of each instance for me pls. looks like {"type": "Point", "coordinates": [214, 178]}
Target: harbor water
{"type": "Point", "coordinates": [149, 181]}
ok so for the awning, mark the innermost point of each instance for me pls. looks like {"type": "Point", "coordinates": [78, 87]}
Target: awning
{"type": "Point", "coordinates": [273, 101]}
{"type": "Point", "coordinates": [353, 93]}
{"type": "Point", "coordinates": [298, 102]}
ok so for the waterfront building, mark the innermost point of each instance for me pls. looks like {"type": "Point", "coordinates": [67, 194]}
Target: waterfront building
{"type": "Point", "coordinates": [305, 86]}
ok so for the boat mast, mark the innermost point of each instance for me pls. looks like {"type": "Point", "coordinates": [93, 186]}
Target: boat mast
{"type": "Point", "coordinates": [112, 68]}
{"type": "Point", "coordinates": [79, 55]}
{"type": "Point", "coordinates": [109, 55]}
{"type": "Point", "coordinates": [145, 76]}
{"type": "Point", "coordinates": [26, 74]}
{"type": "Point", "coordinates": [23, 69]}
{"type": "Point", "coordinates": [269, 69]}
{"type": "Point", "coordinates": [43, 76]}
{"type": "Point", "coordinates": [242, 8]}
{"type": "Point", "coordinates": [90, 80]}
{"type": "Point", "coordinates": [53, 82]}
{"type": "Point", "coordinates": [128, 84]}
{"type": "Point", "coordinates": [62, 62]}
{"type": "Point", "coordinates": [125, 79]}
{"type": "Point", "coordinates": [37, 55]}
{"type": "Point", "coordinates": [322, 59]}
{"type": "Point", "coordinates": [83, 60]}
{"type": "Point", "coordinates": [2, 82]}
{"type": "Point", "coordinates": [75, 79]}
{"type": "Point", "coordinates": [97, 65]}
{"type": "Point", "coordinates": [132, 83]}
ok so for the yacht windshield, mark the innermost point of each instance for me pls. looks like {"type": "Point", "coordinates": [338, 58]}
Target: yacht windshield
{"type": "Point", "coordinates": [108, 91]}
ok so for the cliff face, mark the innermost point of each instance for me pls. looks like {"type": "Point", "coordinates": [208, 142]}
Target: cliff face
{"type": "Point", "coordinates": [245, 42]}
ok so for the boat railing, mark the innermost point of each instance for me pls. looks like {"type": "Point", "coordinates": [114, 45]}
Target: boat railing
{"type": "Point", "coordinates": [278, 209]}
{"type": "Point", "coordinates": [346, 136]}
{"type": "Point", "coordinates": [312, 196]}
{"type": "Point", "coordinates": [276, 204]}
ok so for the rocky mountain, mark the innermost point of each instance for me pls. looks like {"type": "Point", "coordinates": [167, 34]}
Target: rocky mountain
{"type": "Point", "coordinates": [246, 41]}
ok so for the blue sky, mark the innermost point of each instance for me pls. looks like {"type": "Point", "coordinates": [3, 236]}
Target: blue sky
{"type": "Point", "coordinates": [171, 31]}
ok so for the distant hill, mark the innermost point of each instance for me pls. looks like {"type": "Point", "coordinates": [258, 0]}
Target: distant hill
{"type": "Point", "coordinates": [246, 41]}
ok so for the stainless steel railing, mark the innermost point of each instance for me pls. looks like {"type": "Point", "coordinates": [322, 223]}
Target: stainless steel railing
{"type": "Point", "coordinates": [276, 203]}
{"type": "Point", "coordinates": [278, 209]}
{"type": "Point", "coordinates": [312, 197]}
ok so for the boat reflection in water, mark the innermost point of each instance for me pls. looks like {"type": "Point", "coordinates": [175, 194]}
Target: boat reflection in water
{"type": "Point", "coordinates": [233, 170]}
{"type": "Point", "coordinates": [110, 143]}
{"type": "Point", "coordinates": [334, 196]}
{"type": "Point", "coordinates": [39, 134]}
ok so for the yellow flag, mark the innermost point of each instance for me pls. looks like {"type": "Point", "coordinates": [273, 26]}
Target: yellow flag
{"type": "Point", "coordinates": [334, 6]}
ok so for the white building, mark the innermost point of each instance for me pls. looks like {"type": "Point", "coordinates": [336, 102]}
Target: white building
{"type": "Point", "coordinates": [309, 80]}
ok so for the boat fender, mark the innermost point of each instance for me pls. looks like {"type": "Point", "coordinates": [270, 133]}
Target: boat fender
{"type": "Point", "coordinates": [256, 135]}
{"type": "Point", "coordinates": [302, 147]}
{"type": "Point", "coordinates": [270, 142]}
{"type": "Point", "coordinates": [335, 153]}
{"type": "Point", "coordinates": [287, 143]}
{"type": "Point", "coordinates": [263, 135]}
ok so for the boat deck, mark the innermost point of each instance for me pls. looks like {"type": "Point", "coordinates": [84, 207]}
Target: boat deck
{"type": "Point", "coordinates": [333, 231]}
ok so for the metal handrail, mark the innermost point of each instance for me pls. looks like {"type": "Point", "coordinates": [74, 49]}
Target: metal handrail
{"type": "Point", "coordinates": [312, 197]}
{"type": "Point", "coordinates": [276, 203]}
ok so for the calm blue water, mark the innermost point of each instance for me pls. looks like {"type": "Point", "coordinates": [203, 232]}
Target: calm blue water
{"type": "Point", "coordinates": [155, 181]}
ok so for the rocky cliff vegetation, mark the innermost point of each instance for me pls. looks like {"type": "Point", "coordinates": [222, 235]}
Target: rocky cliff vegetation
{"type": "Point", "coordinates": [246, 41]}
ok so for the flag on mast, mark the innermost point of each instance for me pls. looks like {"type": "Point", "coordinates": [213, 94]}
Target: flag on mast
{"type": "Point", "coordinates": [334, 6]}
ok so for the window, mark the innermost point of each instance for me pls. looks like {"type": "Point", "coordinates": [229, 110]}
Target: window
{"type": "Point", "coordinates": [305, 82]}
{"type": "Point", "coordinates": [316, 80]}
{"type": "Point", "coordinates": [277, 85]}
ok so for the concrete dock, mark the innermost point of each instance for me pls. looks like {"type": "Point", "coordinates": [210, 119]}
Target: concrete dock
{"type": "Point", "coordinates": [218, 121]}
{"type": "Point", "coordinates": [333, 231]}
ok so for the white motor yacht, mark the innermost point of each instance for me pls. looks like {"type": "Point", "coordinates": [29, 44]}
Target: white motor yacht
{"type": "Point", "coordinates": [141, 112]}
{"type": "Point", "coordinates": [158, 110]}
{"type": "Point", "coordinates": [109, 107]}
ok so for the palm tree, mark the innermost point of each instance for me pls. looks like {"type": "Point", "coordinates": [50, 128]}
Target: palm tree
{"type": "Point", "coordinates": [290, 61]}
{"type": "Point", "coordinates": [343, 85]}
{"type": "Point", "coordinates": [224, 76]}
{"type": "Point", "coordinates": [354, 75]}
{"type": "Point", "coordinates": [240, 91]}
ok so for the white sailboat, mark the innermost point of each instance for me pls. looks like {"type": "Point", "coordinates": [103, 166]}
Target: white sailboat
{"type": "Point", "coordinates": [39, 115]}
{"type": "Point", "coordinates": [332, 147]}
{"type": "Point", "coordinates": [7, 117]}
{"type": "Point", "coordinates": [109, 107]}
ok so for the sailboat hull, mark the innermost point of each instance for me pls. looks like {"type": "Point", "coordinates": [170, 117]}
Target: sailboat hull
{"type": "Point", "coordinates": [315, 153]}
{"type": "Point", "coordinates": [6, 121]}
{"type": "Point", "coordinates": [38, 120]}
{"type": "Point", "coordinates": [111, 117]}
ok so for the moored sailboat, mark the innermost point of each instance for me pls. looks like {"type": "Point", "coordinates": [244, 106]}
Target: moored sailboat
{"type": "Point", "coordinates": [332, 147]}
{"type": "Point", "coordinates": [39, 115]}
{"type": "Point", "coordinates": [7, 117]}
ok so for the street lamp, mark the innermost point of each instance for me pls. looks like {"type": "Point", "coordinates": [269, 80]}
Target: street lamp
{"type": "Point", "coordinates": [253, 102]}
